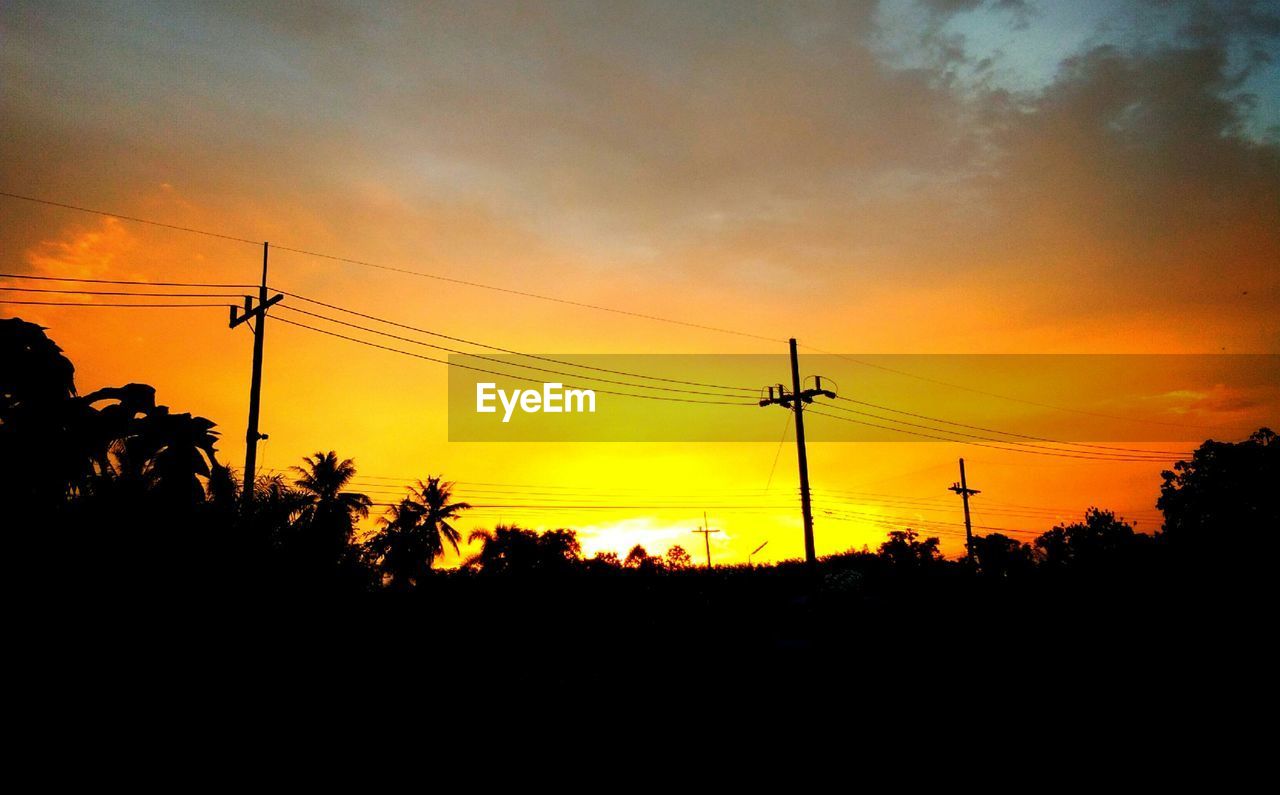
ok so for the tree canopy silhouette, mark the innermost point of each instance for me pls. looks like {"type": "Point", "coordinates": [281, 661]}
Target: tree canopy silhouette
{"type": "Point", "coordinates": [329, 513]}
{"type": "Point", "coordinates": [1102, 540]}
{"type": "Point", "coordinates": [509, 549]}
{"type": "Point", "coordinates": [112, 488]}
{"type": "Point", "coordinates": [414, 531]}
{"type": "Point", "coordinates": [678, 558]}
{"type": "Point", "coordinates": [906, 551]}
{"type": "Point", "coordinates": [1001, 557]}
{"type": "Point", "coordinates": [1226, 491]}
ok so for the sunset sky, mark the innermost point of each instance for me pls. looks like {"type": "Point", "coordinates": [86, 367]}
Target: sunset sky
{"type": "Point", "coordinates": [915, 177]}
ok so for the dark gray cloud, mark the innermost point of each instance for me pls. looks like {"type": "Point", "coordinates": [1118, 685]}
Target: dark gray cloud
{"type": "Point", "coordinates": [693, 140]}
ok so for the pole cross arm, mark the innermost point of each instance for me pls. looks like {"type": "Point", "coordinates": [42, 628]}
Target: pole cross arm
{"type": "Point", "coordinates": [809, 394]}
{"type": "Point", "coordinates": [785, 398]}
{"type": "Point", "coordinates": [251, 311]}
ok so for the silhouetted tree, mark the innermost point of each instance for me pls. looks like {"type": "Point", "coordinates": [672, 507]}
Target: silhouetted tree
{"type": "Point", "coordinates": [327, 520]}
{"type": "Point", "coordinates": [678, 558]}
{"type": "Point", "coordinates": [1101, 540]}
{"type": "Point", "coordinates": [223, 487]}
{"type": "Point", "coordinates": [414, 532]}
{"type": "Point", "coordinates": [271, 514]}
{"type": "Point", "coordinates": [636, 557]}
{"type": "Point", "coordinates": [149, 450]}
{"type": "Point", "coordinates": [603, 562]}
{"type": "Point", "coordinates": [559, 549]}
{"type": "Point", "coordinates": [999, 556]}
{"type": "Point", "coordinates": [640, 559]}
{"type": "Point", "coordinates": [400, 549]}
{"type": "Point", "coordinates": [43, 451]}
{"type": "Point", "coordinates": [503, 549]}
{"type": "Point", "coordinates": [1226, 491]}
{"type": "Point", "coordinates": [238, 544]}
{"type": "Point", "coordinates": [116, 481]}
{"type": "Point", "coordinates": [906, 551]}
{"type": "Point", "coordinates": [511, 549]}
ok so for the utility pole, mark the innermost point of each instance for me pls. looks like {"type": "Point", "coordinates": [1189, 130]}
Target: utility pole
{"type": "Point", "coordinates": [796, 401]}
{"type": "Point", "coordinates": [962, 488]}
{"type": "Point", "coordinates": [706, 537]}
{"type": "Point", "coordinates": [259, 313]}
{"type": "Point", "coordinates": [754, 552]}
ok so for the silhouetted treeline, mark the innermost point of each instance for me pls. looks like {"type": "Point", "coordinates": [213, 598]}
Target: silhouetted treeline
{"type": "Point", "coordinates": [112, 492]}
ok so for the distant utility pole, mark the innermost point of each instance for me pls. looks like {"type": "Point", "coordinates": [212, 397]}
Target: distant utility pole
{"type": "Point", "coordinates": [754, 552]}
{"type": "Point", "coordinates": [259, 313]}
{"type": "Point", "coordinates": [796, 401]}
{"type": "Point", "coordinates": [962, 488]}
{"type": "Point", "coordinates": [706, 537]}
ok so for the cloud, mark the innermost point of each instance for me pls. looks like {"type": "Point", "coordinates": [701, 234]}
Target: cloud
{"type": "Point", "coordinates": [794, 149]}
{"type": "Point", "coordinates": [92, 252]}
{"type": "Point", "coordinates": [1130, 173]}
{"type": "Point", "coordinates": [1222, 399]}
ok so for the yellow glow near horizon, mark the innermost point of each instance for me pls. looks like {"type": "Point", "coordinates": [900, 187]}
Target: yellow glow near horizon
{"type": "Point", "coordinates": [826, 174]}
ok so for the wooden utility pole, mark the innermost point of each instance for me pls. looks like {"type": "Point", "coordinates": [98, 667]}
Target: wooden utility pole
{"type": "Point", "coordinates": [259, 313]}
{"type": "Point", "coordinates": [796, 401]}
{"type": "Point", "coordinates": [706, 537]}
{"type": "Point", "coordinates": [962, 488]}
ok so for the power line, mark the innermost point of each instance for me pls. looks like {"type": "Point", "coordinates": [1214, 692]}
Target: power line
{"type": "Point", "coordinates": [387, 322]}
{"type": "Point", "coordinates": [1056, 453]}
{"type": "Point", "coordinates": [118, 293]}
{"type": "Point", "coordinates": [1001, 397]}
{"type": "Point", "coordinates": [600, 507]}
{"type": "Point", "coordinates": [508, 487]}
{"type": "Point", "coordinates": [786, 424]}
{"type": "Point", "coordinates": [510, 351]}
{"type": "Point", "coordinates": [554, 299]}
{"type": "Point", "coordinates": [583, 494]}
{"type": "Point", "coordinates": [570, 502]}
{"type": "Point", "coordinates": [1004, 433]}
{"type": "Point", "coordinates": [494, 372]}
{"type": "Point", "coordinates": [500, 349]}
{"type": "Point", "coordinates": [847, 496]}
{"type": "Point", "coordinates": [890, 526]}
{"type": "Point", "coordinates": [500, 361]}
{"type": "Point", "coordinates": [1151, 457]}
{"type": "Point", "coordinates": [568, 491]}
{"type": "Point", "coordinates": [134, 219]}
{"type": "Point", "coordinates": [406, 271]}
{"type": "Point", "coordinates": [909, 520]}
{"type": "Point", "coordinates": [111, 306]}
{"type": "Point", "coordinates": [573, 487]}
{"type": "Point", "coordinates": [579, 493]}
{"type": "Point", "coordinates": [123, 281]}
{"type": "Point", "coordinates": [378, 319]}
{"type": "Point", "coordinates": [929, 505]}
{"type": "Point", "coordinates": [527, 294]}
{"type": "Point", "coordinates": [489, 509]}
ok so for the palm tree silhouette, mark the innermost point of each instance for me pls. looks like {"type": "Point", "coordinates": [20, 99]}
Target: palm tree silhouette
{"type": "Point", "coordinates": [505, 548]}
{"type": "Point", "coordinates": [414, 532]}
{"type": "Point", "coordinates": [329, 513]}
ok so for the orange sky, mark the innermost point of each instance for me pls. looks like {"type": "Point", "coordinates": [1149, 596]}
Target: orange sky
{"type": "Point", "coordinates": [868, 179]}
